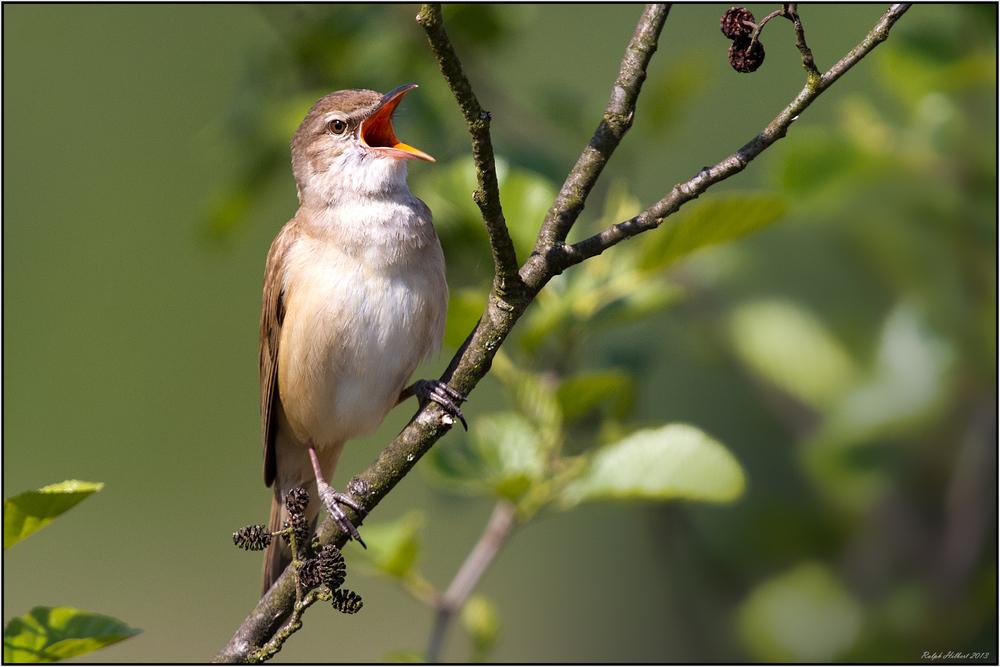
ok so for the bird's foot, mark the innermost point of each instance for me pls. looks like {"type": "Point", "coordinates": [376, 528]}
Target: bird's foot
{"type": "Point", "coordinates": [443, 395]}
{"type": "Point", "coordinates": [333, 500]}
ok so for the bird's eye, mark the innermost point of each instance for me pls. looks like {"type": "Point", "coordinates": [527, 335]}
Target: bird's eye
{"type": "Point", "coordinates": [336, 126]}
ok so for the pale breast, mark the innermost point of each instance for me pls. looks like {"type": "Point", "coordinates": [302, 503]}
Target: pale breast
{"type": "Point", "coordinates": [355, 329]}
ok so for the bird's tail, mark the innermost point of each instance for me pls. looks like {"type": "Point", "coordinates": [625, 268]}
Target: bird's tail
{"type": "Point", "coordinates": [278, 554]}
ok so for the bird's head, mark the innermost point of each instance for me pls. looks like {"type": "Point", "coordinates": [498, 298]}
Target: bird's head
{"type": "Point", "coordinates": [346, 147]}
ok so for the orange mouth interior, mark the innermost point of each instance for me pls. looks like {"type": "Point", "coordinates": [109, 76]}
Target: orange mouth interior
{"type": "Point", "coordinates": [376, 132]}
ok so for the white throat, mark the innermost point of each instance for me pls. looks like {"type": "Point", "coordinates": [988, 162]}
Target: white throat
{"type": "Point", "coordinates": [354, 177]}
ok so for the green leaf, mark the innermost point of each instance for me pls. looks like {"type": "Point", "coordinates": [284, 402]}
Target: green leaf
{"type": "Point", "coordinates": [545, 315]}
{"type": "Point", "coordinates": [534, 395]}
{"type": "Point", "coordinates": [676, 461]}
{"type": "Point", "coordinates": [513, 451]}
{"type": "Point", "coordinates": [503, 455]}
{"type": "Point", "coordinates": [536, 399]}
{"type": "Point", "coordinates": [788, 346]}
{"type": "Point", "coordinates": [642, 300]}
{"type": "Point", "coordinates": [482, 621]}
{"type": "Point", "coordinates": [607, 290]}
{"type": "Point", "coordinates": [27, 512]}
{"type": "Point", "coordinates": [448, 193]}
{"type": "Point", "coordinates": [909, 384]}
{"type": "Point", "coordinates": [805, 615]}
{"type": "Point", "coordinates": [455, 465]}
{"type": "Point", "coordinates": [526, 198]}
{"type": "Point", "coordinates": [580, 393]}
{"type": "Point", "coordinates": [47, 634]}
{"type": "Point", "coordinates": [713, 221]}
{"type": "Point", "coordinates": [907, 390]}
{"type": "Point", "coordinates": [393, 546]}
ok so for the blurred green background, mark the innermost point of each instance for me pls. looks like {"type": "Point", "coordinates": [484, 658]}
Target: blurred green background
{"type": "Point", "coordinates": [846, 355]}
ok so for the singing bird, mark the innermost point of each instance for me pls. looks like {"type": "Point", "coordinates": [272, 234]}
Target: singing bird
{"type": "Point", "coordinates": [354, 298]}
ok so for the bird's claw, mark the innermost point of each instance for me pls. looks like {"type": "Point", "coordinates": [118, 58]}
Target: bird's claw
{"type": "Point", "coordinates": [443, 395]}
{"type": "Point", "coordinates": [333, 500]}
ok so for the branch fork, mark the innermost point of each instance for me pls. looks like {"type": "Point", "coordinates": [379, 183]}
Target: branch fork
{"type": "Point", "coordinates": [514, 288]}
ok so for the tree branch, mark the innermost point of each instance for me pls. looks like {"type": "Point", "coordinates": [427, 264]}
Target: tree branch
{"type": "Point", "coordinates": [790, 12]}
{"type": "Point", "coordinates": [878, 34]}
{"type": "Point", "coordinates": [562, 256]}
{"type": "Point", "coordinates": [616, 122]}
{"type": "Point", "coordinates": [487, 195]}
{"type": "Point", "coordinates": [497, 531]}
{"type": "Point", "coordinates": [552, 256]}
{"type": "Point", "coordinates": [800, 41]}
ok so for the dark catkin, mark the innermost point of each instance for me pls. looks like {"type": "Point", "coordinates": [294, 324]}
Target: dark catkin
{"type": "Point", "coordinates": [252, 538]}
{"type": "Point", "coordinates": [303, 530]}
{"type": "Point", "coordinates": [346, 602]}
{"type": "Point", "coordinates": [742, 60]}
{"type": "Point", "coordinates": [309, 573]}
{"type": "Point", "coordinates": [332, 570]}
{"type": "Point", "coordinates": [296, 500]}
{"type": "Point", "coordinates": [326, 568]}
{"type": "Point", "coordinates": [734, 23]}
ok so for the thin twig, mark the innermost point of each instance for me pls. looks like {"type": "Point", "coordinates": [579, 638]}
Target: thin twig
{"type": "Point", "coordinates": [487, 195]}
{"type": "Point", "coordinates": [564, 256]}
{"type": "Point", "coordinates": [616, 122]}
{"type": "Point", "coordinates": [294, 624]}
{"type": "Point", "coordinates": [496, 533]}
{"type": "Point", "coordinates": [760, 24]}
{"type": "Point", "coordinates": [800, 42]}
{"type": "Point", "coordinates": [878, 34]}
{"type": "Point", "coordinates": [789, 11]}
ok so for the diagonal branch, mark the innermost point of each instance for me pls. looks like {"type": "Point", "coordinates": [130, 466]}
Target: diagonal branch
{"type": "Point", "coordinates": [487, 195]}
{"type": "Point", "coordinates": [497, 532]}
{"type": "Point", "coordinates": [563, 256]}
{"type": "Point", "coordinates": [616, 122]}
{"type": "Point", "coordinates": [552, 256]}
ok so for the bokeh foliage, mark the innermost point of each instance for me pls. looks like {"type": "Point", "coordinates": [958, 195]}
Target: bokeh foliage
{"type": "Point", "coordinates": [50, 634]}
{"type": "Point", "coordinates": [863, 329]}
{"type": "Point", "coordinates": [845, 354]}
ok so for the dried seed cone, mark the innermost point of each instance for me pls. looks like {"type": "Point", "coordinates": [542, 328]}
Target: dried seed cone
{"type": "Point", "coordinates": [303, 531]}
{"type": "Point", "coordinates": [733, 25]}
{"type": "Point", "coordinates": [326, 568]}
{"type": "Point", "coordinates": [346, 602]}
{"type": "Point", "coordinates": [252, 538]}
{"type": "Point", "coordinates": [742, 61]}
{"type": "Point", "coordinates": [309, 573]}
{"type": "Point", "coordinates": [332, 570]}
{"type": "Point", "coordinates": [296, 500]}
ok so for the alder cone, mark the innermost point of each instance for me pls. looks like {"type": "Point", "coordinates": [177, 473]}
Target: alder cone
{"type": "Point", "coordinates": [732, 23]}
{"type": "Point", "coordinates": [741, 60]}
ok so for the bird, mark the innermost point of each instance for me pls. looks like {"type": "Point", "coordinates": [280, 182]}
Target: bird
{"type": "Point", "coordinates": [354, 298]}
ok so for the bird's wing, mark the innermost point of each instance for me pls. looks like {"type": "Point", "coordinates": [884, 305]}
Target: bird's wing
{"type": "Point", "coordinates": [271, 316]}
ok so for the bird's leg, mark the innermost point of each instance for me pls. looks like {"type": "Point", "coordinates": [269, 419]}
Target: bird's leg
{"type": "Point", "coordinates": [331, 498]}
{"type": "Point", "coordinates": [440, 393]}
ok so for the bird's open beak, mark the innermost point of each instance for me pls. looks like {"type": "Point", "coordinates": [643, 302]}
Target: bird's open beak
{"type": "Point", "coordinates": [376, 130]}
